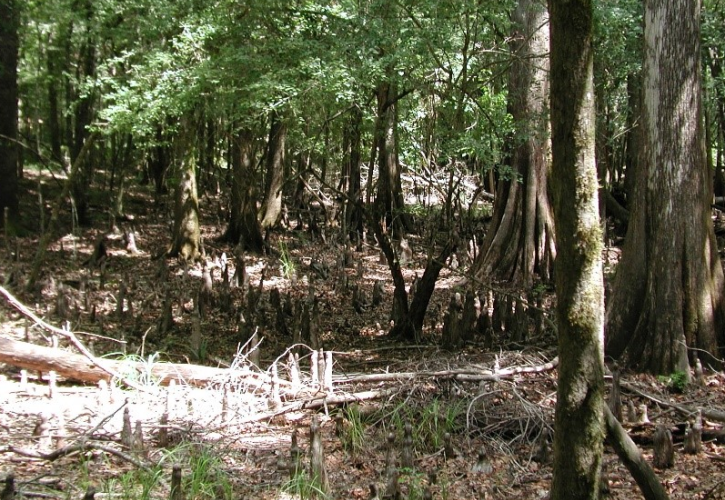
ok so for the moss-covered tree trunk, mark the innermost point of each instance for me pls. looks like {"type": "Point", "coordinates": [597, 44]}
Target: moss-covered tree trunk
{"type": "Point", "coordinates": [272, 205]}
{"type": "Point", "coordinates": [520, 240]}
{"type": "Point", "coordinates": [244, 227]}
{"type": "Point", "coordinates": [668, 293]}
{"type": "Point", "coordinates": [9, 19]}
{"type": "Point", "coordinates": [187, 235]}
{"type": "Point", "coordinates": [579, 421]}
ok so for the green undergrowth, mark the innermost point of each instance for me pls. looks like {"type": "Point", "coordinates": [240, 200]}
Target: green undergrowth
{"type": "Point", "coordinates": [431, 421]}
{"type": "Point", "coordinates": [203, 477]}
{"type": "Point", "coordinates": [676, 382]}
{"type": "Point", "coordinates": [302, 486]}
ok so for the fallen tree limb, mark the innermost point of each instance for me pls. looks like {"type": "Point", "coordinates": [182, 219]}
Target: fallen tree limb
{"type": "Point", "coordinates": [71, 337]}
{"type": "Point", "coordinates": [321, 402]}
{"type": "Point", "coordinates": [715, 415]}
{"type": "Point", "coordinates": [76, 367]}
{"type": "Point", "coordinates": [74, 448]}
{"type": "Point", "coordinates": [630, 455]}
{"type": "Point", "coordinates": [468, 374]}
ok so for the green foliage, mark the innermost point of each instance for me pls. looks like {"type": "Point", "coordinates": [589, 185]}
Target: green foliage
{"type": "Point", "coordinates": [288, 265]}
{"type": "Point", "coordinates": [430, 423]}
{"type": "Point", "coordinates": [301, 485]}
{"type": "Point", "coordinates": [129, 368]}
{"type": "Point", "coordinates": [353, 433]}
{"type": "Point", "coordinates": [412, 484]}
{"type": "Point", "coordinates": [203, 478]}
{"type": "Point", "coordinates": [676, 382]}
{"type": "Point", "coordinates": [134, 485]}
{"type": "Point", "coordinates": [202, 352]}
{"type": "Point", "coordinates": [207, 477]}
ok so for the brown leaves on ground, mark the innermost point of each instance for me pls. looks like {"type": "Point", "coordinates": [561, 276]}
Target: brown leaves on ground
{"type": "Point", "coordinates": [496, 425]}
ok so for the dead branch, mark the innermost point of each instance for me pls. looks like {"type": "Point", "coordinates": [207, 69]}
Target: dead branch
{"type": "Point", "coordinates": [76, 367]}
{"type": "Point", "coordinates": [630, 455]}
{"type": "Point", "coordinates": [70, 336]}
{"type": "Point", "coordinates": [688, 411]}
{"type": "Point", "coordinates": [74, 448]}
{"type": "Point", "coordinates": [322, 401]}
{"type": "Point", "coordinates": [468, 375]}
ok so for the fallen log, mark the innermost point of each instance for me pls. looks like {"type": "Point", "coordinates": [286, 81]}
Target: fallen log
{"type": "Point", "coordinates": [76, 367]}
{"type": "Point", "coordinates": [323, 401]}
{"type": "Point", "coordinates": [648, 482]}
{"type": "Point", "coordinates": [471, 375]}
{"type": "Point", "coordinates": [688, 411]}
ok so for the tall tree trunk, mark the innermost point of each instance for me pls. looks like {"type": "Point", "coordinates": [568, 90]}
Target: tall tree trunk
{"type": "Point", "coordinates": [354, 217]}
{"type": "Point", "coordinates": [668, 294]}
{"type": "Point", "coordinates": [634, 135]}
{"type": "Point", "coordinates": [158, 162]}
{"type": "Point", "coordinates": [207, 161]}
{"type": "Point", "coordinates": [272, 205]}
{"type": "Point", "coordinates": [244, 226]}
{"type": "Point", "coordinates": [389, 200]}
{"type": "Point", "coordinates": [520, 241]}
{"type": "Point", "coordinates": [714, 60]}
{"type": "Point", "coordinates": [187, 234]}
{"type": "Point", "coordinates": [579, 421]}
{"type": "Point", "coordinates": [83, 117]}
{"type": "Point", "coordinates": [54, 78]}
{"type": "Point", "coordinates": [9, 20]}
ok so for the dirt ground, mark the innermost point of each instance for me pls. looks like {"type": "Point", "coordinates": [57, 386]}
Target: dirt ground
{"type": "Point", "coordinates": [232, 438]}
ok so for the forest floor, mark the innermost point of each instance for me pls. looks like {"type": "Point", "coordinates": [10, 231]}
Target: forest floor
{"type": "Point", "coordinates": [480, 419]}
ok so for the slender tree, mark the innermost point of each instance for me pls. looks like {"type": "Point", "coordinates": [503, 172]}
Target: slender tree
{"type": "Point", "coordinates": [187, 233]}
{"type": "Point", "coordinates": [350, 181]}
{"type": "Point", "coordinates": [579, 424]}
{"type": "Point", "coordinates": [272, 205]}
{"type": "Point", "coordinates": [389, 202]}
{"type": "Point", "coordinates": [84, 111]}
{"type": "Point", "coordinates": [520, 240]}
{"type": "Point", "coordinates": [668, 293]}
{"type": "Point", "coordinates": [9, 19]}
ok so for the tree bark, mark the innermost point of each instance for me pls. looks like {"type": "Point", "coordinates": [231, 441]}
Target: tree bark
{"type": "Point", "coordinates": [53, 68]}
{"type": "Point", "coordinates": [76, 367]}
{"type": "Point", "coordinates": [520, 240]}
{"type": "Point", "coordinates": [157, 162]}
{"type": "Point", "coordinates": [634, 135]}
{"type": "Point", "coordinates": [243, 225]}
{"type": "Point", "coordinates": [668, 293]}
{"type": "Point", "coordinates": [272, 205]}
{"type": "Point", "coordinates": [409, 325]}
{"type": "Point", "coordinates": [579, 420]}
{"type": "Point", "coordinates": [389, 205]}
{"type": "Point", "coordinates": [83, 117]}
{"type": "Point", "coordinates": [631, 457]}
{"type": "Point", "coordinates": [351, 181]}
{"type": "Point", "coordinates": [9, 46]}
{"type": "Point", "coordinates": [187, 233]}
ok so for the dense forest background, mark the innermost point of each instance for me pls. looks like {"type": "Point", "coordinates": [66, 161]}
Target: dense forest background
{"type": "Point", "coordinates": [272, 182]}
